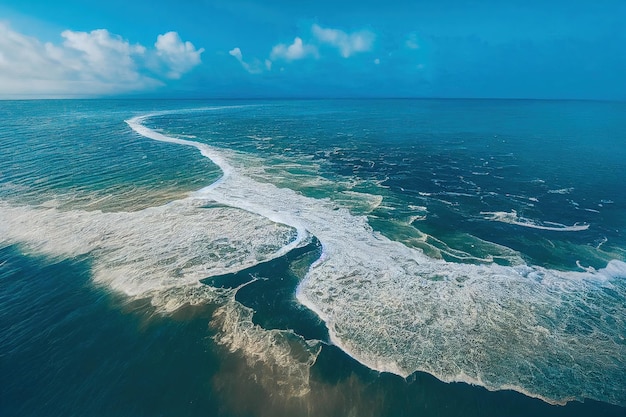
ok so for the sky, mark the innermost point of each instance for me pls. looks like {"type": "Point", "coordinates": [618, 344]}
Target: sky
{"type": "Point", "coordinates": [552, 49]}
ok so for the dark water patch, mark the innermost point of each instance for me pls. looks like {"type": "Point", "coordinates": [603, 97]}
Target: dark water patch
{"type": "Point", "coordinates": [65, 351]}
{"type": "Point", "coordinates": [271, 292]}
{"type": "Point", "coordinates": [236, 279]}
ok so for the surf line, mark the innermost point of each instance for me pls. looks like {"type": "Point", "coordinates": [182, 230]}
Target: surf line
{"type": "Point", "coordinates": [396, 275]}
{"type": "Point", "coordinates": [228, 174]}
{"type": "Point", "coordinates": [239, 191]}
{"type": "Point", "coordinates": [136, 124]}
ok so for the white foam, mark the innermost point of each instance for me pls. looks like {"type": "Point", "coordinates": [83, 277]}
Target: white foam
{"type": "Point", "coordinates": [135, 124]}
{"type": "Point", "coordinates": [512, 218]}
{"type": "Point", "coordinates": [561, 191]}
{"type": "Point", "coordinates": [360, 202]}
{"type": "Point", "coordinates": [148, 251]}
{"type": "Point", "coordinates": [394, 309]}
{"type": "Point", "coordinates": [286, 358]}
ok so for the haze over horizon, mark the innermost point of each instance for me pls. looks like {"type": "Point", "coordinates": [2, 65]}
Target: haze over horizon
{"type": "Point", "coordinates": [278, 49]}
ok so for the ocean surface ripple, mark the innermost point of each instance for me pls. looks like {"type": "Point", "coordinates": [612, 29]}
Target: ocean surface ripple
{"type": "Point", "coordinates": [555, 335]}
{"type": "Point", "coordinates": [531, 329]}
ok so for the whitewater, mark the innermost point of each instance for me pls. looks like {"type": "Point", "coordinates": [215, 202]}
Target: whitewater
{"type": "Point", "coordinates": [550, 334]}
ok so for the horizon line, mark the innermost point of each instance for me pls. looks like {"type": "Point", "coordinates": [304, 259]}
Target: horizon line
{"type": "Point", "coordinates": [305, 98]}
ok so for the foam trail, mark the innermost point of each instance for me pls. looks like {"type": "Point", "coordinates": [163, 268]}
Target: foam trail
{"type": "Point", "coordinates": [513, 218]}
{"type": "Point", "coordinates": [554, 335]}
{"type": "Point", "coordinates": [228, 174]}
{"type": "Point", "coordinates": [136, 124]}
{"type": "Point", "coordinates": [162, 253]}
{"type": "Point", "coordinates": [150, 251]}
{"type": "Point", "coordinates": [394, 309]}
{"type": "Point", "coordinates": [561, 191]}
{"type": "Point", "coordinates": [284, 356]}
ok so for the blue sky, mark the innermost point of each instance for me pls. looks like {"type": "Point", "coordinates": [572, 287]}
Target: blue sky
{"type": "Point", "coordinates": [277, 48]}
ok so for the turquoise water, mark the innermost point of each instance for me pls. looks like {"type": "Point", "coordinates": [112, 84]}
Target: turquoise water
{"type": "Point", "coordinates": [317, 258]}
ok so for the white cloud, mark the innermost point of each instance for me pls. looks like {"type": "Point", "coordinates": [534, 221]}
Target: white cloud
{"type": "Point", "coordinates": [86, 64]}
{"type": "Point", "coordinates": [347, 43]}
{"type": "Point", "coordinates": [236, 52]}
{"type": "Point", "coordinates": [254, 68]}
{"type": "Point", "coordinates": [98, 54]}
{"type": "Point", "coordinates": [297, 50]}
{"type": "Point", "coordinates": [179, 56]}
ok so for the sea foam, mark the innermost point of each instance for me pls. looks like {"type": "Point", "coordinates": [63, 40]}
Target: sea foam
{"type": "Point", "coordinates": [549, 334]}
{"type": "Point", "coordinates": [152, 250]}
{"type": "Point", "coordinates": [513, 218]}
{"type": "Point", "coordinates": [392, 308]}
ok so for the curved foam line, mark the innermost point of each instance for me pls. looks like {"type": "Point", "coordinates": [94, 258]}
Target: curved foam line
{"type": "Point", "coordinates": [358, 265]}
{"type": "Point", "coordinates": [227, 172]}
{"type": "Point", "coordinates": [513, 218]}
{"type": "Point", "coordinates": [136, 124]}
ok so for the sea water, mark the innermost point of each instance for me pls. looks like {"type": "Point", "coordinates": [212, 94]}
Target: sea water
{"type": "Point", "coordinates": [368, 257]}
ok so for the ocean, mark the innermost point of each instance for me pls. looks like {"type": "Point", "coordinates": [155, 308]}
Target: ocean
{"type": "Point", "coordinates": [312, 258]}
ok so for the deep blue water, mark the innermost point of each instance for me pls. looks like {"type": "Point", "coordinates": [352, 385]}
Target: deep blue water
{"type": "Point", "coordinates": [517, 205]}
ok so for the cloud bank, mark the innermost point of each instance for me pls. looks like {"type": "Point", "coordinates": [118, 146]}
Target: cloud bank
{"type": "Point", "coordinates": [92, 63]}
{"type": "Point", "coordinates": [347, 44]}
